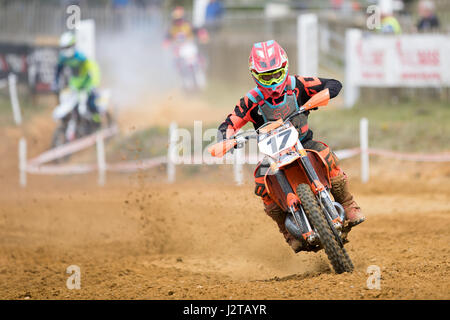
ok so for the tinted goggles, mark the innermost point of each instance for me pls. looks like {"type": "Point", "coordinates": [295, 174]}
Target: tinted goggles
{"type": "Point", "coordinates": [270, 78]}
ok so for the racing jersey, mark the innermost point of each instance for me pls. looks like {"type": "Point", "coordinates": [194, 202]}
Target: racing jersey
{"type": "Point", "coordinates": [247, 110]}
{"type": "Point", "coordinates": [85, 73]}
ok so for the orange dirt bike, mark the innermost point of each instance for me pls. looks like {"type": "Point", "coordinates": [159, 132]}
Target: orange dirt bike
{"type": "Point", "coordinates": [298, 181]}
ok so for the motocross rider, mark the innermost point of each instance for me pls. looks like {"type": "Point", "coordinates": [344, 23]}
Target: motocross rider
{"type": "Point", "coordinates": [184, 39]}
{"type": "Point", "coordinates": [276, 94]}
{"type": "Point", "coordinates": [181, 30]}
{"type": "Point", "coordinates": [84, 72]}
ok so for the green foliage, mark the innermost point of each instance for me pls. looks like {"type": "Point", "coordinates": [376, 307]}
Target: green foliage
{"type": "Point", "coordinates": [143, 144]}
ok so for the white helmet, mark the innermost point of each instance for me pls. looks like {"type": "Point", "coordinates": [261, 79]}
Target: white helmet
{"type": "Point", "coordinates": [67, 44]}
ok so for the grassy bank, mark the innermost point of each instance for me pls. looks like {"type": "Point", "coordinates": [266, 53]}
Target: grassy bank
{"type": "Point", "coordinates": [403, 127]}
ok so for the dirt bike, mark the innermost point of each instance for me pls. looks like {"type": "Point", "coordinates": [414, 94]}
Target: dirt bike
{"type": "Point", "coordinates": [298, 181]}
{"type": "Point", "coordinates": [75, 120]}
{"type": "Point", "coordinates": [190, 66]}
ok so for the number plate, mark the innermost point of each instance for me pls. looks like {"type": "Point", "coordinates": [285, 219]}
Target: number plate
{"type": "Point", "coordinates": [276, 143]}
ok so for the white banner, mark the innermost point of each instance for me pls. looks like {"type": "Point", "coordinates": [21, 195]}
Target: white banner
{"type": "Point", "coordinates": [421, 60]}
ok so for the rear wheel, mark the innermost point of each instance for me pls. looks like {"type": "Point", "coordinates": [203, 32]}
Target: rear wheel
{"type": "Point", "coordinates": [338, 256]}
{"type": "Point", "coordinates": [108, 121]}
{"type": "Point", "coordinates": [58, 139]}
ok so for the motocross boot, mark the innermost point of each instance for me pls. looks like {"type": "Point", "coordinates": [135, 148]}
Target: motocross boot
{"type": "Point", "coordinates": [279, 216]}
{"type": "Point", "coordinates": [341, 194]}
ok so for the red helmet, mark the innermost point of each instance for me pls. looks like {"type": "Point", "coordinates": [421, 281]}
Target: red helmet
{"type": "Point", "coordinates": [268, 64]}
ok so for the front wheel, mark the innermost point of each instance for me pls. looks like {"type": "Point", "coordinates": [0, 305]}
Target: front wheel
{"type": "Point", "coordinates": [338, 256]}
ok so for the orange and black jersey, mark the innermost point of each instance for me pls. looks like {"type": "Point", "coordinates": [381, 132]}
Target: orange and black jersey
{"type": "Point", "coordinates": [246, 110]}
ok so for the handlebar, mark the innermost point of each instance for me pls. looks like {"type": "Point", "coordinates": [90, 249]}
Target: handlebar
{"type": "Point", "coordinates": [320, 99]}
{"type": "Point", "coordinates": [245, 135]}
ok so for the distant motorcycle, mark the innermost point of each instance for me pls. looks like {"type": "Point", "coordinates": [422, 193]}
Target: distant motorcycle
{"type": "Point", "coordinates": [190, 65]}
{"type": "Point", "coordinates": [75, 119]}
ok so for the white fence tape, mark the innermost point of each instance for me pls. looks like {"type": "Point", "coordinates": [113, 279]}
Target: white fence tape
{"type": "Point", "coordinates": [36, 165]}
{"type": "Point", "coordinates": [347, 153]}
{"type": "Point", "coordinates": [439, 157]}
{"type": "Point", "coordinates": [61, 169]}
{"type": "Point", "coordinates": [416, 157]}
{"type": "Point", "coordinates": [125, 167]}
{"type": "Point", "coordinates": [72, 147]}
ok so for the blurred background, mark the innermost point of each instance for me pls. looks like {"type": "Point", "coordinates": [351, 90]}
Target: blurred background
{"type": "Point", "coordinates": [140, 26]}
{"type": "Point", "coordinates": [141, 70]}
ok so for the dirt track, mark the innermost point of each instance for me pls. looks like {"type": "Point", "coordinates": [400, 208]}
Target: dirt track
{"type": "Point", "coordinates": [203, 238]}
{"type": "Point", "coordinates": [134, 239]}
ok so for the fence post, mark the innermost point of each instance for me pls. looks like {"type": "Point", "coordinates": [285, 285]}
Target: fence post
{"type": "Point", "coordinates": [364, 144]}
{"type": "Point", "coordinates": [22, 162]}
{"type": "Point", "coordinates": [172, 152]}
{"type": "Point", "coordinates": [199, 13]}
{"type": "Point", "coordinates": [238, 165]}
{"type": "Point", "coordinates": [12, 81]}
{"type": "Point", "coordinates": [101, 163]}
{"type": "Point", "coordinates": [351, 91]}
{"type": "Point", "coordinates": [307, 44]}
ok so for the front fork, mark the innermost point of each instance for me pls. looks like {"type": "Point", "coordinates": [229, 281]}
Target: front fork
{"type": "Point", "coordinates": [335, 214]}
{"type": "Point", "coordinates": [319, 189]}
{"type": "Point", "coordinates": [335, 220]}
{"type": "Point", "coordinates": [299, 225]}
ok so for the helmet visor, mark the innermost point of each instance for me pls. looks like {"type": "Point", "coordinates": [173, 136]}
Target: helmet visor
{"type": "Point", "coordinates": [271, 77]}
